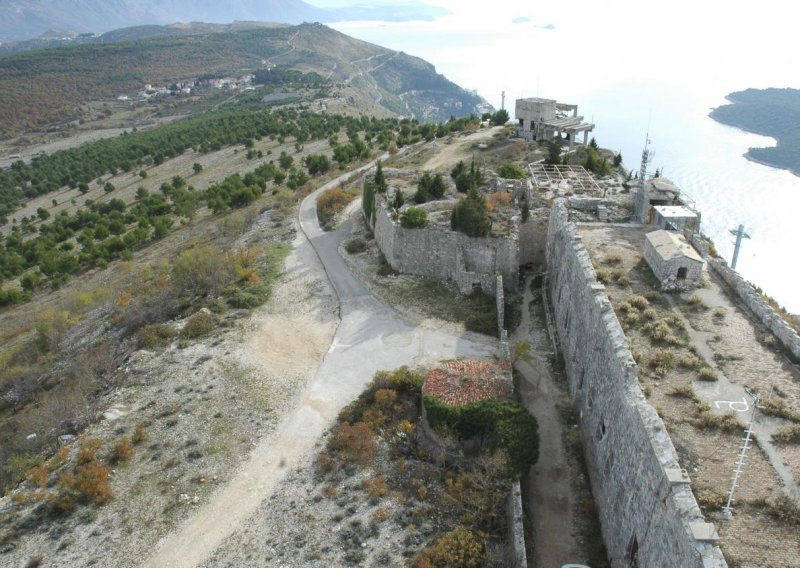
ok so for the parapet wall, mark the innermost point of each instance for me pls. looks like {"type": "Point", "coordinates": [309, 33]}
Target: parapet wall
{"type": "Point", "coordinates": [751, 298]}
{"type": "Point", "coordinates": [648, 514]}
{"type": "Point", "coordinates": [447, 255]}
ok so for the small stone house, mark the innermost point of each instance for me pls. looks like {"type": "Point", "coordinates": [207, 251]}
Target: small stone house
{"type": "Point", "coordinates": [673, 260]}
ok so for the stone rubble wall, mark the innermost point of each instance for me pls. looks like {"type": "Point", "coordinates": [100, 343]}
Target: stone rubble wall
{"type": "Point", "coordinates": [447, 255]}
{"type": "Point", "coordinates": [751, 298]}
{"type": "Point", "coordinates": [645, 504]}
{"type": "Point", "coordinates": [518, 558]}
{"type": "Point", "coordinates": [533, 237]}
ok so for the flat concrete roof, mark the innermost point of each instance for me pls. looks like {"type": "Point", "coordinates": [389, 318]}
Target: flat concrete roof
{"type": "Point", "coordinates": [675, 212]}
{"type": "Point", "coordinates": [671, 245]}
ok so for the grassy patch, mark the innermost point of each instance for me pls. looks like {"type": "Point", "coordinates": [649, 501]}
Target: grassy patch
{"type": "Point", "coordinates": [789, 434]}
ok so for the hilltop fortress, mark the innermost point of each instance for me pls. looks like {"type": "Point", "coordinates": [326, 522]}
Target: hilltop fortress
{"type": "Point", "coordinates": [648, 512]}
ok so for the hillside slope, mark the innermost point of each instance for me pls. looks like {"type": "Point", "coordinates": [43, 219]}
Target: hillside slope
{"type": "Point", "coordinates": [43, 86]}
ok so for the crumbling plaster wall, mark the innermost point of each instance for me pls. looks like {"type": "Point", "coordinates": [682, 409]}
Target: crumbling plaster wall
{"type": "Point", "coordinates": [646, 507]}
{"type": "Point", "coordinates": [447, 255]}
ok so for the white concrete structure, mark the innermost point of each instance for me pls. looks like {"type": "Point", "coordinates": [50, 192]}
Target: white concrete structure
{"type": "Point", "coordinates": [546, 119]}
{"type": "Point", "coordinates": [674, 217]}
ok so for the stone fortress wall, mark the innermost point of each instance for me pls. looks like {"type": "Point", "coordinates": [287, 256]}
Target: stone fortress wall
{"type": "Point", "coordinates": [751, 298]}
{"type": "Point", "coordinates": [648, 513]}
{"type": "Point", "coordinates": [447, 255]}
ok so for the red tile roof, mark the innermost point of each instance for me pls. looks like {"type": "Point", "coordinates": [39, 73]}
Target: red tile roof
{"type": "Point", "coordinates": [461, 382]}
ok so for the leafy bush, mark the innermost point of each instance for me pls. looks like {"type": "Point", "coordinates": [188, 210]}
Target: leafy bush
{"type": "Point", "coordinates": [157, 335]}
{"type": "Point", "coordinates": [511, 171]}
{"type": "Point", "coordinates": [198, 325]}
{"type": "Point", "coordinates": [413, 218]}
{"type": "Point", "coordinates": [248, 297]}
{"type": "Point", "coordinates": [459, 548]}
{"type": "Point", "coordinates": [469, 216]}
{"type": "Point", "coordinates": [508, 425]}
{"type": "Point", "coordinates": [330, 204]}
{"type": "Point", "coordinates": [201, 271]}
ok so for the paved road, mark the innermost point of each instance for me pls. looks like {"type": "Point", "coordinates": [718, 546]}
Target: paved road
{"type": "Point", "coordinates": [370, 337]}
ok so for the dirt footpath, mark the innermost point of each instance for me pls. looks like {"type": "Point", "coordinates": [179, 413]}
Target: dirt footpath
{"type": "Point", "coordinates": [563, 522]}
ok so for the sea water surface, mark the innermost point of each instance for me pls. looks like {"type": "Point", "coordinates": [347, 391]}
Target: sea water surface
{"type": "Point", "coordinates": [647, 67]}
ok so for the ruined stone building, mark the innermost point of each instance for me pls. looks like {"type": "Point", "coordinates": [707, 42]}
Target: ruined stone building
{"type": "Point", "coordinates": [546, 119]}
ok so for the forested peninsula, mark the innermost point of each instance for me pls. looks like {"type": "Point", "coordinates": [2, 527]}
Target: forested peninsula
{"type": "Point", "coordinates": [771, 112]}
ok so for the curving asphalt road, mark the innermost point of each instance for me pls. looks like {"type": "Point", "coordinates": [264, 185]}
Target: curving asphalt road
{"type": "Point", "coordinates": [370, 336]}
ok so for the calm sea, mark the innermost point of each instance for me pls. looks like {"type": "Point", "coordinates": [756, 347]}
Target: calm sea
{"type": "Point", "coordinates": [657, 72]}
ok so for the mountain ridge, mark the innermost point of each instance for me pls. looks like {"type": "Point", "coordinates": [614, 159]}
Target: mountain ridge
{"type": "Point", "coordinates": [48, 85]}
{"type": "Point", "coordinates": [27, 19]}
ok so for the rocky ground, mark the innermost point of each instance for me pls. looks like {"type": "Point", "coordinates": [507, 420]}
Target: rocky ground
{"type": "Point", "coordinates": [205, 406]}
{"type": "Point", "coordinates": [695, 377]}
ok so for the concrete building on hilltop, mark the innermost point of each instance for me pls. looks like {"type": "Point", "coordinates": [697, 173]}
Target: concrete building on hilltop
{"type": "Point", "coordinates": [547, 119]}
{"type": "Point", "coordinates": [674, 217]}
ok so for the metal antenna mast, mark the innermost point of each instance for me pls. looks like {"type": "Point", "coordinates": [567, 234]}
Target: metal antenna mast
{"type": "Point", "coordinates": [727, 509]}
{"type": "Point", "coordinates": [738, 233]}
{"type": "Point", "coordinates": [640, 203]}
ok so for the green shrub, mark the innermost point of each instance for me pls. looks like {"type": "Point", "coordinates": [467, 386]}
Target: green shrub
{"type": "Point", "coordinates": [413, 218]}
{"type": "Point", "coordinates": [508, 425]}
{"type": "Point", "coordinates": [201, 271]}
{"type": "Point", "coordinates": [199, 325]}
{"type": "Point", "coordinates": [248, 297]}
{"type": "Point", "coordinates": [469, 215]}
{"type": "Point", "coordinates": [152, 336]}
{"type": "Point", "coordinates": [511, 171]}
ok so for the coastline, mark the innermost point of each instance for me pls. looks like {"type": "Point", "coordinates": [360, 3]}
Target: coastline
{"type": "Point", "coordinates": [750, 158]}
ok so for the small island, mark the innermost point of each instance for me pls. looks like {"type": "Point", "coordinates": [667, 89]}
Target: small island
{"type": "Point", "coordinates": [770, 112]}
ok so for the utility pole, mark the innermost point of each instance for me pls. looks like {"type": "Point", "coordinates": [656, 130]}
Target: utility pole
{"type": "Point", "coordinates": [738, 233]}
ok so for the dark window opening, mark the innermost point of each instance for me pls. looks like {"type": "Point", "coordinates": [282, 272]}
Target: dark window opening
{"type": "Point", "coordinates": [682, 272]}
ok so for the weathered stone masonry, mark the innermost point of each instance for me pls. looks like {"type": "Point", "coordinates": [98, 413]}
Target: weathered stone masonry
{"type": "Point", "coordinates": [447, 255]}
{"type": "Point", "coordinates": [647, 510]}
{"type": "Point", "coordinates": [751, 298]}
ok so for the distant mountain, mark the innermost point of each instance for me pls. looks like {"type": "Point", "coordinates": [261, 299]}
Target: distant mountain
{"type": "Point", "coordinates": [28, 19]}
{"type": "Point", "coordinates": [46, 86]}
